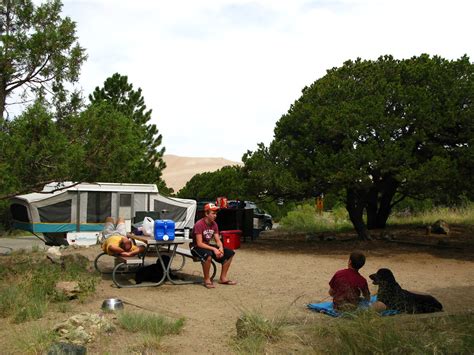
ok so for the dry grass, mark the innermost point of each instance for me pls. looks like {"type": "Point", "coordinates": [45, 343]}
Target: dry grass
{"type": "Point", "coordinates": [452, 215]}
{"type": "Point", "coordinates": [364, 333]}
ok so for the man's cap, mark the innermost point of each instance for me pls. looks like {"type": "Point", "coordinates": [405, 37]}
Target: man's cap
{"type": "Point", "coordinates": [210, 207]}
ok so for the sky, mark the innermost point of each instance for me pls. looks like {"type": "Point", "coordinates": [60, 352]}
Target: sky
{"type": "Point", "coordinates": [219, 74]}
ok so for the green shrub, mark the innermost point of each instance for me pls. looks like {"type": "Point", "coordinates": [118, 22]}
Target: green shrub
{"type": "Point", "coordinates": [452, 215]}
{"type": "Point", "coordinates": [27, 284]}
{"type": "Point", "coordinates": [153, 324]}
{"type": "Point", "coordinates": [254, 324]}
{"type": "Point", "coordinates": [362, 332]}
{"type": "Point", "coordinates": [254, 331]}
{"type": "Point", "coordinates": [151, 328]}
{"type": "Point", "coordinates": [275, 210]}
{"type": "Point", "coordinates": [34, 340]}
{"type": "Point", "coordinates": [305, 219]}
{"type": "Point", "coordinates": [369, 333]}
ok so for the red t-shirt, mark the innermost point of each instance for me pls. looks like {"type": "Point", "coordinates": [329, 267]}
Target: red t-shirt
{"type": "Point", "coordinates": [348, 286]}
{"type": "Point", "coordinates": [207, 231]}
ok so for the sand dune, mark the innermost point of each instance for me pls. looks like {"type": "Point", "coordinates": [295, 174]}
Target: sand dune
{"type": "Point", "coordinates": [179, 170]}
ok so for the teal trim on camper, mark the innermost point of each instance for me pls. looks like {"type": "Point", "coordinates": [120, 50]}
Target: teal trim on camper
{"type": "Point", "coordinates": [57, 227]}
{"type": "Point", "coordinates": [96, 227]}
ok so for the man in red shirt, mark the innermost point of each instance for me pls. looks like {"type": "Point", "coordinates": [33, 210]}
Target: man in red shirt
{"type": "Point", "coordinates": [347, 285]}
{"type": "Point", "coordinates": [204, 231]}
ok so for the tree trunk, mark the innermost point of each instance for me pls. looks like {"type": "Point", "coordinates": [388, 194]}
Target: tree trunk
{"type": "Point", "coordinates": [2, 100]}
{"type": "Point", "coordinates": [372, 207]}
{"type": "Point", "coordinates": [379, 202]}
{"type": "Point", "coordinates": [355, 206]}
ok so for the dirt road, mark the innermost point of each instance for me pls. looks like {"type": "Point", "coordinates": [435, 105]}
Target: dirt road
{"type": "Point", "coordinates": [7, 245]}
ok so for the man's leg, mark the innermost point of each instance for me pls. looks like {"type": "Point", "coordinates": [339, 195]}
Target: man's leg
{"type": "Point", "coordinates": [206, 268]}
{"type": "Point", "coordinates": [224, 270]}
{"type": "Point", "coordinates": [228, 256]}
{"type": "Point", "coordinates": [109, 227]}
{"type": "Point", "coordinates": [120, 228]}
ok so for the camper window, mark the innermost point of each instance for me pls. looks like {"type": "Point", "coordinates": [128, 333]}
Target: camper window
{"type": "Point", "coordinates": [57, 213]}
{"type": "Point", "coordinates": [125, 207]}
{"type": "Point", "coordinates": [19, 212]}
{"type": "Point", "coordinates": [99, 206]}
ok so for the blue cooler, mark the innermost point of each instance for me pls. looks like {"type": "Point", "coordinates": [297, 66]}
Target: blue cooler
{"type": "Point", "coordinates": [164, 229]}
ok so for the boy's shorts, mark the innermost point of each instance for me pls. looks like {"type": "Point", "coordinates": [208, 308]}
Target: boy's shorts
{"type": "Point", "coordinates": [203, 254]}
{"type": "Point", "coordinates": [110, 229]}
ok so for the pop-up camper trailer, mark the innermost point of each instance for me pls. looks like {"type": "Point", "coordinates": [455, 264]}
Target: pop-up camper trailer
{"type": "Point", "coordinates": [67, 212]}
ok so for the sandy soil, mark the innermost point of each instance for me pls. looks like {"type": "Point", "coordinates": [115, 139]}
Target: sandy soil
{"type": "Point", "coordinates": [275, 276]}
{"type": "Point", "coordinates": [278, 276]}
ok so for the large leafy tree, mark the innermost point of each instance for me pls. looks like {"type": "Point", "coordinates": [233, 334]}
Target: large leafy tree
{"type": "Point", "coordinates": [379, 131]}
{"type": "Point", "coordinates": [228, 181]}
{"type": "Point", "coordinates": [39, 52]}
{"type": "Point", "coordinates": [119, 94]}
{"type": "Point", "coordinates": [33, 151]}
{"type": "Point", "coordinates": [37, 150]}
{"type": "Point", "coordinates": [108, 142]}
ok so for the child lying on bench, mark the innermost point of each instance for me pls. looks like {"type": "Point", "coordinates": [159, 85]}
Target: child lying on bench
{"type": "Point", "coordinates": [116, 240]}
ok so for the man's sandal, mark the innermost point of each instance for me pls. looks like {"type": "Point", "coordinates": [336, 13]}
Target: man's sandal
{"type": "Point", "coordinates": [228, 282]}
{"type": "Point", "coordinates": [209, 285]}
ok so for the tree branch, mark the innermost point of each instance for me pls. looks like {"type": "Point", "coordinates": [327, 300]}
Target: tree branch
{"type": "Point", "coordinates": [32, 74]}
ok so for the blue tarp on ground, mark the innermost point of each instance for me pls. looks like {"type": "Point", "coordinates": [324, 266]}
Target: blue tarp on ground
{"type": "Point", "coordinates": [327, 308]}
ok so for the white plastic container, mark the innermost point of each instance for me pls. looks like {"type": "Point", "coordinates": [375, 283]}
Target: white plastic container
{"type": "Point", "coordinates": [148, 226]}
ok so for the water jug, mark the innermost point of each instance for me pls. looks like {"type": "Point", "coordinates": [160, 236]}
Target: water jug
{"type": "Point", "coordinates": [164, 229]}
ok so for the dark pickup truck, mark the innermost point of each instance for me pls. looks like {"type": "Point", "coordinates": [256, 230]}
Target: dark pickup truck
{"type": "Point", "coordinates": [261, 219]}
{"type": "Point", "coordinates": [242, 215]}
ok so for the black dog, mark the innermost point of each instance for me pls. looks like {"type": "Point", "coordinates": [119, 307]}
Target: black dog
{"type": "Point", "coordinates": [153, 272]}
{"type": "Point", "coordinates": [394, 297]}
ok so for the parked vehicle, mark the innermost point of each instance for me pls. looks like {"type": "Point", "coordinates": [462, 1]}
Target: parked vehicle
{"type": "Point", "coordinates": [261, 219]}
{"type": "Point", "coordinates": [239, 215]}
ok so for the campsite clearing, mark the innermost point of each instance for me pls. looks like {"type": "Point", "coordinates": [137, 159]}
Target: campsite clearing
{"type": "Point", "coordinates": [275, 278]}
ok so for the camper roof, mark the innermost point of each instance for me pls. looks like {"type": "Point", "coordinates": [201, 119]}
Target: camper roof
{"type": "Point", "coordinates": [56, 188]}
{"type": "Point", "coordinates": [101, 186]}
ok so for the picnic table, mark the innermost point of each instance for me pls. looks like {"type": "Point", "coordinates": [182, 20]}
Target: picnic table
{"type": "Point", "coordinates": [152, 246]}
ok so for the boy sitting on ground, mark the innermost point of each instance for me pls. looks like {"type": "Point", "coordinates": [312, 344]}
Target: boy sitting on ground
{"type": "Point", "coordinates": [117, 242]}
{"type": "Point", "coordinates": [347, 285]}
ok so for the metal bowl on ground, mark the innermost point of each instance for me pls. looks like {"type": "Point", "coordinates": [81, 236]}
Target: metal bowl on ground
{"type": "Point", "coordinates": [112, 304]}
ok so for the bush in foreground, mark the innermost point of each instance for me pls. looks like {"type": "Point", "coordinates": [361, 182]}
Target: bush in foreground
{"type": "Point", "coordinates": [27, 284]}
{"type": "Point", "coordinates": [151, 328]}
{"type": "Point", "coordinates": [362, 333]}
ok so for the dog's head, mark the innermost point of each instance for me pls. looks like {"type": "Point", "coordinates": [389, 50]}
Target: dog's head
{"type": "Point", "coordinates": [382, 276]}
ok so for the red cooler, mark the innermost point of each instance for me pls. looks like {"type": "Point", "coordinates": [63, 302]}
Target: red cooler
{"type": "Point", "coordinates": [231, 238]}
